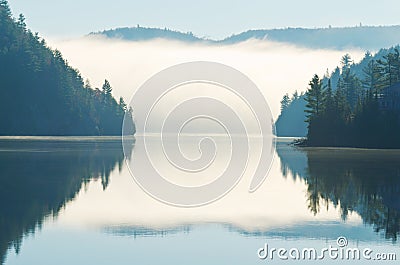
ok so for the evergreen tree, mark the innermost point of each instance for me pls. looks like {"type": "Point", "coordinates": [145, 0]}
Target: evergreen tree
{"type": "Point", "coordinates": [341, 105]}
{"type": "Point", "coordinates": [372, 81]}
{"type": "Point", "coordinates": [107, 89]}
{"type": "Point", "coordinates": [328, 101]}
{"type": "Point", "coordinates": [21, 22]}
{"type": "Point", "coordinates": [122, 104]}
{"type": "Point", "coordinates": [285, 102]}
{"type": "Point", "coordinates": [346, 61]}
{"type": "Point", "coordinates": [5, 11]}
{"type": "Point", "coordinates": [390, 65]}
{"type": "Point", "coordinates": [295, 96]}
{"type": "Point", "coordinates": [351, 85]}
{"type": "Point", "coordinates": [314, 98]}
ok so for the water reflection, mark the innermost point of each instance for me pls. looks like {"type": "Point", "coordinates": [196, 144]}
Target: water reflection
{"type": "Point", "coordinates": [363, 181]}
{"type": "Point", "coordinates": [144, 231]}
{"type": "Point", "coordinates": [39, 176]}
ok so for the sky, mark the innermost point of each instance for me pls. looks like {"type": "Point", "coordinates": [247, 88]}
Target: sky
{"type": "Point", "coordinates": [206, 18]}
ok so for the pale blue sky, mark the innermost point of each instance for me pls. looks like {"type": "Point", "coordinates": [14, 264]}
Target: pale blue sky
{"type": "Point", "coordinates": [210, 18]}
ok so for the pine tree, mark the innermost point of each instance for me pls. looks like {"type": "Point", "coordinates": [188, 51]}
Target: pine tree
{"type": "Point", "coordinates": [314, 98]}
{"type": "Point", "coordinates": [340, 102]}
{"type": "Point", "coordinates": [328, 100]}
{"type": "Point", "coordinates": [390, 68]}
{"type": "Point", "coordinates": [352, 86]}
{"type": "Point", "coordinates": [107, 89]}
{"type": "Point", "coordinates": [372, 81]}
{"type": "Point", "coordinates": [21, 21]}
{"type": "Point", "coordinates": [295, 96]}
{"type": "Point", "coordinates": [346, 61]}
{"type": "Point", "coordinates": [5, 11]}
{"type": "Point", "coordinates": [285, 102]}
{"type": "Point", "coordinates": [122, 104]}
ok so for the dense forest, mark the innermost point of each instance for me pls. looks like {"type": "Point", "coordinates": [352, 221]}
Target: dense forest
{"type": "Point", "coordinates": [41, 94]}
{"type": "Point", "coordinates": [356, 105]}
{"type": "Point", "coordinates": [359, 112]}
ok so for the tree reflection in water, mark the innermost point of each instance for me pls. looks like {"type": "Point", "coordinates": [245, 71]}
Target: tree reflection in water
{"type": "Point", "coordinates": [354, 180]}
{"type": "Point", "coordinates": [38, 177]}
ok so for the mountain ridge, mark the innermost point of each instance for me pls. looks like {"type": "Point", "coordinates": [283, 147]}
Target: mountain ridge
{"type": "Point", "coordinates": [341, 38]}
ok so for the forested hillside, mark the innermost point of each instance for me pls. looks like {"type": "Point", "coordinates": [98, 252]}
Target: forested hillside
{"type": "Point", "coordinates": [139, 33]}
{"type": "Point", "coordinates": [350, 76]}
{"type": "Point", "coordinates": [363, 37]}
{"type": "Point", "coordinates": [41, 94]}
{"type": "Point", "coordinates": [362, 110]}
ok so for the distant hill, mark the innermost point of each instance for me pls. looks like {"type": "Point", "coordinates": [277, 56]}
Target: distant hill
{"type": "Point", "coordinates": [141, 33]}
{"type": "Point", "coordinates": [41, 94]}
{"type": "Point", "coordinates": [364, 37]}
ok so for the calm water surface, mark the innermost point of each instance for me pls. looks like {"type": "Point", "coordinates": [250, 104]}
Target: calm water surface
{"type": "Point", "coordinates": [73, 201]}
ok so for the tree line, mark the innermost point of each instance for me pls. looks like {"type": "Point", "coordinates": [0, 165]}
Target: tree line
{"type": "Point", "coordinates": [349, 113]}
{"type": "Point", "coordinates": [41, 94]}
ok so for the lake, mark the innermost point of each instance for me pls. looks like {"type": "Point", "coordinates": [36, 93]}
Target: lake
{"type": "Point", "coordinates": [72, 200]}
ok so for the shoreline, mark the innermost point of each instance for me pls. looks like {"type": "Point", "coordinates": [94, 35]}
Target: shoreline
{"type": "Point", "coordinates": [301, 143]}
